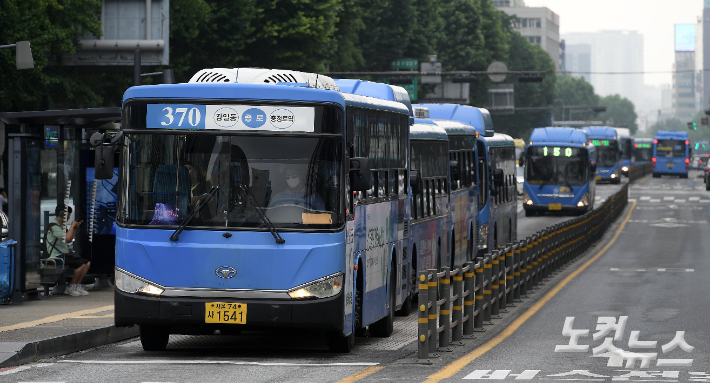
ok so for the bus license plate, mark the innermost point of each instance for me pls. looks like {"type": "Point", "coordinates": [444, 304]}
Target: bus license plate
{"type": "Point", "coordinates": [555, 206]}
{"type": "Point", "coordinates": [670, 165]}
{"type": "Point", "coordinates": [229, 313]}
{"type": "Point", "coordinates": [598, 178]}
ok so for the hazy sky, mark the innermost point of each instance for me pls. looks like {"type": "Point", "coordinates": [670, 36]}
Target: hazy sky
{"type": "Point", "coordinates": [654, 19]}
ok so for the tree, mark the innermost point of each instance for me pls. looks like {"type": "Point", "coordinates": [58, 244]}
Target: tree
{"type": "Point", "coordinates": [53, 29]}
{"type": "Point", "coordinates": [619, 110]}
{"type": "Point", "coordinates": [573, 91]}
{"type": "Point", "coordinates": [529, 57]}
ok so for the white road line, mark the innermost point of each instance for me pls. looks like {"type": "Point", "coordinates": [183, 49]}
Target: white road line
{"type": "Point", "coordinates": [655, 200]}
{"type": "Point", "coordinates": [661, 269]}
{"type": "Point", "coordinates": [632, 200]}
{"type": "Point", "coordinates": [645, 198]}
{"type": "Point", "coordinates": [617, 269]}
{"type": "Point", "coordinates": [239, 363]}
{"type": "Point", "coordinates": [693, 198]}
{"type": "Point", "coordinates": [679, 201]}
{"type": "Point", "coordinates": [668, 198]}
{"type": "Point", "coordinates": [704, 200]}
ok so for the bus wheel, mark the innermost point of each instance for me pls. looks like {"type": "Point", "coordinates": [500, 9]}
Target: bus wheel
{"type": "Point", "coordinates": [154, 338]}
{"type": "Point", "coordinates": [385, 327]}
{"type": "Point", "coordinates": [339, 343]}
{"type": "Point", "coordinates": [707, 185]}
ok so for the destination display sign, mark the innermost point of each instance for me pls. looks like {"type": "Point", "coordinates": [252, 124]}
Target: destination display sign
{"type": "Point", "coordinates": [642, 146]}
{"type": "Point", "coordinates": [230, 117]}
{"type": "Point", "coordinates": [599, 142]}
{"type": "Point", "coordinates": [554, 151]}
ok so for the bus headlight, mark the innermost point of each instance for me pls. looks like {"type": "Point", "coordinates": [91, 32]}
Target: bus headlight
{"type": "Point", "coordinates": [584, 201]}
{"type": "Point", "coordinates": [624, 169]}
{"type": "Point", "coordinates": [613, 175]}
{"type": "Point", "coordinates": [526, 198]}
{"type": "Point", "coordinates": [320, 288]}
{"type": "Point", "coordinates": [131, 284]}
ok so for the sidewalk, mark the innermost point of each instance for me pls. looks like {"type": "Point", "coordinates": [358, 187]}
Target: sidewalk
{"type": "Point", "coordinates": [57, 325]}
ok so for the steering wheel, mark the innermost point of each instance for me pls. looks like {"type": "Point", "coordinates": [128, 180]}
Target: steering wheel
{"type": "Point", "coordinates": [281, 201]}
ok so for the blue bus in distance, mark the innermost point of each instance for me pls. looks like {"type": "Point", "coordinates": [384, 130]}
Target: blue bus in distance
{"type": "Point", "coordinates": [559, 175]}
{"type": "Point", "coordinates": [671, 154]}
{"type": "Point", "coordinates": [258, 199]}
{"type": "Point", "coordinates": [643, 150]}
{"type": "Point", "coordinates": [626, 144]}
{"type": "Point", "coordinates": [608, 159]}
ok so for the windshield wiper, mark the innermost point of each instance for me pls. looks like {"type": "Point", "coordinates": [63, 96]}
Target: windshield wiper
{"type": "Point", "coordinates": [176, 235]}
{"type": "Point", "coordinates": [263, 216]}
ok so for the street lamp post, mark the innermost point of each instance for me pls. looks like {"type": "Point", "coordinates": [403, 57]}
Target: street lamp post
{"type": "Point", "coordinates": [23, 54]}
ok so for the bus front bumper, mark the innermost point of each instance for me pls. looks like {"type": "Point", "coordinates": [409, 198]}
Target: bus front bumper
{"type": "Point", "coordinates": [187, 315]}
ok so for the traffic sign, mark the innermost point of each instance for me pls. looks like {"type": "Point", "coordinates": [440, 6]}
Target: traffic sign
{"type": "Point", "coordinates": [410, 64]}
{"type": "Point", "coordinates": [496, 71]}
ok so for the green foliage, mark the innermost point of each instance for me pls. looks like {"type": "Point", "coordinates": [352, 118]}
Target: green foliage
{"type": "Point", "coordinates": [526, 56]}
{"type": "Point", "coordinates": [53, 28]}
{"type": "Point", "coordinates": [573, 91]}
{"type": "Point", "coordinates": [619, 110]}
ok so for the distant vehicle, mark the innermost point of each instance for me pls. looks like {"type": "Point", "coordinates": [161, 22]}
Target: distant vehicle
{"type": "Point", "coordinates": [520, 178]}
{"type": "Point", "coordinates": [608, 157]}
{"type": "Point", "coordinates": [671, 154]}
{"type": "Point", "coordinates": [626, 143]}
{"type": "Point", "coordinates": [519, 149]}
{"type": "Point", "coordinates": [559, 173]}
{"type": "Point", "coordinates": [643, 150]}
{"type": "Point", "coordinates": [695, 163]}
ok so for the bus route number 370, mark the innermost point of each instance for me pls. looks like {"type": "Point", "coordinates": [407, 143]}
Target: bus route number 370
{"type": "Point", "coordinates": [228, 313]}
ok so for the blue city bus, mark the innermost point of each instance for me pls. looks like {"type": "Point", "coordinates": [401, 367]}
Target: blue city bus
{"type": "Point", "coordinates": [643, 150]}
{"type": "Point", "coordinates": [257, 199]}
{"type": "Point", "coordinates": [671, 154]}
{"type": "Point", "coordinates": [608, 159]}
{"type": "Point", "coordinates": [430, 209]}
{"type": "Point", "coordinates": [626, 143]}
{"type": "Point", "coordinates": [464, 190]}
{"type": "Point", "coordinates": [559, 174]}
{"type": "Point", "coordinates": [496, 219]}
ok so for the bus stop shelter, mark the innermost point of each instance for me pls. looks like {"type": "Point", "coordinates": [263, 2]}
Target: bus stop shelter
{"type": "Point", "coordinates": [51, 163]}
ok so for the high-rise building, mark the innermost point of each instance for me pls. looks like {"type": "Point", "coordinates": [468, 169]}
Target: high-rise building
{"type": "Point", "coordinates": [539, 25]}
{"type": "Point", "coordinates": [613, 51]}
{"type": "Point", "coordinates": [578, 60]}
{"type": "Point", "coordinates": [684, 79]}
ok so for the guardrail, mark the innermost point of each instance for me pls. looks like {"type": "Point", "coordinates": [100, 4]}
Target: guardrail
{"type": "Point", "coordinates": [639, 171]}
{"type": "Point", "coordinates": [505, 275]}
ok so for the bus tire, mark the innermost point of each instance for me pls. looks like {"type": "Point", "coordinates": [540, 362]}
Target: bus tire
{"type": "Point", "coordinates": [384, 327]}
{"type": "Point", "coordinates": [406, 308]}
{"type": "Point", "coordinates": [707, 185]}
{"type": "Point", "coordinates": [339, 343]}
{"type": "Point", "coordinates": [683, 176]}
{"type": "Point", "coordinates": [154, 338]}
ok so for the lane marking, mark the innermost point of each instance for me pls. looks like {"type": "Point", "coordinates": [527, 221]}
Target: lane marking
{"type": "Point", "coordinates": [655, 200]}
{"type": "Point", "coordinates": [12, 370]}
{"type": "Point", "coordinates": [239, 363]}
{"type": "Point", "coordinates": [55, 318]}
{"type": "Point", "coordinates": [693, 198]}
{"type": "Point", "coordinates": [94, 316]}
{"type": "Point", "coordinates": [631, 200]}
{"type": "Point", "coordinates": [360, 374]}
{"type": "Point", "coordinates": [617, 269]}
{"type": "Point", "coordinates": [462, 362]}
{"type": "Point", "coordinates": [679, 201]}
{"type": "Point", "coordinates": [641, 181]}
{"type": "Point", "coordinates": [645, 198]}
{"type": "Point", "coordinates": [668, 198]}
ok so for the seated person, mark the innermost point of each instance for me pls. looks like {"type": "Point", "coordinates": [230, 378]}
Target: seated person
{"type": "Point", "coordinates": [56, 244]}
{"type": "Point", "coordinates": [296, 193]}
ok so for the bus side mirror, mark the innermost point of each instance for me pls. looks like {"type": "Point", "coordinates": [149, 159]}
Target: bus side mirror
{"type": "Point", "coordinates": [521, 161]}
{"type": "Point", "coordinates": [455, 171]}
{"type": "Point", "coordinates": [593, 167]}
{"type": "Point", "coordinates": [103, 162]}
{"type": "Point", "coordinates": [360, 175]}
{"type": "Point", "coordinates": [498, 177]}
{"type": "Point", "coordinates": [415, 181]}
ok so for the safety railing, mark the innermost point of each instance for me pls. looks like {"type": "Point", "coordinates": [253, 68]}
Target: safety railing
{"type": "Point", "coordinates": [482, 290]}
{"type": "Point", "coordinates": [639, 171]}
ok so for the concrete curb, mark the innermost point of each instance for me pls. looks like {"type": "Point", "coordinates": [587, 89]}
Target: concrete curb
{"type": "Point", "coordinates": [18, 353]}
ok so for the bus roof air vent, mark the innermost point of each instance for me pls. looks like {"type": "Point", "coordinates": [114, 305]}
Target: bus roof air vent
{"type": "Point", "coordinates": [216, 75]}
{"type": "Point", "coordinates": [266, 76]}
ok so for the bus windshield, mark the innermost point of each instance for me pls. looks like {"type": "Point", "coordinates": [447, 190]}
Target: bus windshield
{"type": "Point", "coordinates": [670, 148]}
{"type": "Point", "coordinates": [557, 165]}
{"type": "Point", "coordinates": [643, 151]}
{"type": "Point", "coordinates": [607, 156]}
{"type": "Point", "coordinates": [294, 180]}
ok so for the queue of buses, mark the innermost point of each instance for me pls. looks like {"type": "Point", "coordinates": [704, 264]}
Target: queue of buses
{"type": "Point", "coordinates": [259, 199]}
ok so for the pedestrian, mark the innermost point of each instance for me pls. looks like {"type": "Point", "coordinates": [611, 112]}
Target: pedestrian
{"type": "Point", "coordinates": [57, 241]}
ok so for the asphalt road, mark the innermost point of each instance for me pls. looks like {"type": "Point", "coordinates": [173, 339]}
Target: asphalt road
{"type": "Point", "coordinates": [527, 226]}
{"type": "Point", "coordinates": [651, 278]}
